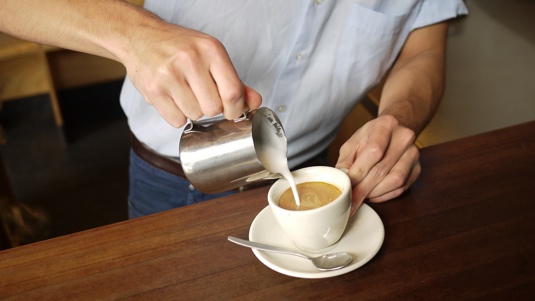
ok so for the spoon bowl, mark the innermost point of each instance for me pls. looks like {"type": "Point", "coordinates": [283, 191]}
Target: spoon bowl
{"type": "Point", "coordinates": [327, 262]}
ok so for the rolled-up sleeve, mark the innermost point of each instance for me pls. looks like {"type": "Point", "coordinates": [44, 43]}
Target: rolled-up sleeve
{"type": "Point", "coordinates": [434, 11]}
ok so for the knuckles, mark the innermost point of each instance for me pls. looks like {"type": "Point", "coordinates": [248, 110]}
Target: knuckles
{"type": "Point", "coordinates": [213, 110]}
{"type": "Point", "coordinates": [232, 94]}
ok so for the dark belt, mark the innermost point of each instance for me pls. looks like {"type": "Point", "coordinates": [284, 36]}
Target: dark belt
{"type": "Point", "coordinates": [164, 163]}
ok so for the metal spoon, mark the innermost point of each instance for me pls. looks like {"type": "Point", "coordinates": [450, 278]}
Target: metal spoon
{"type": "Point", "coordinates": [327, 262]}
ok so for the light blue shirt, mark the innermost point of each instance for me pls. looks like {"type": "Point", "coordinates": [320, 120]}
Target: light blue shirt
{"type": "Point", "coordinates": [311, 60]}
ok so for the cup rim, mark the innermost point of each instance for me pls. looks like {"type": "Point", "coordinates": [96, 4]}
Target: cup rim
{"type": "Point", "coordinates": [309, 211]}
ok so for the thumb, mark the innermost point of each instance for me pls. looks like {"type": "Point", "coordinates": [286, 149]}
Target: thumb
{"type": "Point", "coordinates": [346, 156]}
{"type": "Point", "coordinates": [356, 200]}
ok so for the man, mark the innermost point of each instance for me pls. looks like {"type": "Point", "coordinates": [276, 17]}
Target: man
{"type": "Point", "coordinates": [312, 62]}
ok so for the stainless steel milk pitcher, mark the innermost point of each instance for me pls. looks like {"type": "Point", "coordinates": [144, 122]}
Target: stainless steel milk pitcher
{"type": "Point", "coordinates": [219, 154]}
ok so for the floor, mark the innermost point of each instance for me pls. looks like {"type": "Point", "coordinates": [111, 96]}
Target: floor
{"type": "Point", "coordinates": [83, 183]}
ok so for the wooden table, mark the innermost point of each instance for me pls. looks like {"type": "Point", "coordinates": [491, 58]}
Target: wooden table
{"type": "Point", "coordinates": [466, 230]}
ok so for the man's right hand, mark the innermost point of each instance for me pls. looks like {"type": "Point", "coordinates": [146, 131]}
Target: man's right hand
{"type": "Point", "coordinates": [185, 74]}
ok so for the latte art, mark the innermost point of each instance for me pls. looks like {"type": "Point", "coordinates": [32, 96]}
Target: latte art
{"type": "Point", "coordinates": [312, 194]}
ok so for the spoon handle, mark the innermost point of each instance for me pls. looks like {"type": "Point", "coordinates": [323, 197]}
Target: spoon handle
{"type": "Point", "coordinates": [263, 247]}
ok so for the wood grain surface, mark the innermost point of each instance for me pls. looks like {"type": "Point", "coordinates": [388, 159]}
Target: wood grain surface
{"type": "Point", "coordinates": [465, 230]}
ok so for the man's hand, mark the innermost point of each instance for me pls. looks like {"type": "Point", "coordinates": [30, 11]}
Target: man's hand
{"type": "Point", "coordinates": [183, 73]}
{"type": "Point", "coordinates": [382, 160]}
{"type": "Point", "coordinates": [187, 74]}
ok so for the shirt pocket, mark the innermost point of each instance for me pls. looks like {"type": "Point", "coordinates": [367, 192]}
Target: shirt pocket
{"type": "Point", "coordinates": [377, 22]}
{"type": "Point", "coordinates": [371, 41]}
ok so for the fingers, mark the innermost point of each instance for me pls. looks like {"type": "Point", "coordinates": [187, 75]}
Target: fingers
{"type": "Point", "coordinates": [167, 108]}
{"type": "Point", "coordinates": [214, 84]}
{"type": "Point", "coordinates": [175, 105]}
{"type": "Point", "coordinates": [382, 160]}
{"type": "Point", "coordinates": [185, 100]}
{"type": "Point", "coordinates": [392, 169]}
{"type": "Point", "coordinates": [366, 148]}
{"type": "Point", "coordinates": [235, 96]}
{"type": "Point", "coordinates": [252, 98]}
{"type": "Point", "coordinates": [231, 90]}
{"type": "Point", "coordinates": [200, 97]}
{"type": "Point", "coordinates": [399, 179]}
{"type": "Point", "coordinates": [190, 75]}
{"type": "Point", "coordinates": [355, 204]}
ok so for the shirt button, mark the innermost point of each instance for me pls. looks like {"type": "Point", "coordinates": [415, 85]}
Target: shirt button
{"type": "Point", "coordinates": [191, 188]}
{"type": "Point", "coordinates": [318, 2]}
{"type": "Point", "coordinates": [281, 108]}
{"type": "Point", "coordinates": [298, 56]}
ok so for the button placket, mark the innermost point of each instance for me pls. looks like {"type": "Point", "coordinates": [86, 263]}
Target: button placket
{"type": "Point", "coordinates": [294, 67]}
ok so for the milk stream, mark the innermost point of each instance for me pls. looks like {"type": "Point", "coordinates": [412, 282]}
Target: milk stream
{"type": "Point", "coordinates": [270, 144]}
{"type": "Point", "coordinates": [276, 161]}
{"type": "Point", "coordinates": [290, 178]}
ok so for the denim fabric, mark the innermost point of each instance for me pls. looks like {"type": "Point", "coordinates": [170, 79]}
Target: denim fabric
{"type": "Point", "coordinates": [153, 190]}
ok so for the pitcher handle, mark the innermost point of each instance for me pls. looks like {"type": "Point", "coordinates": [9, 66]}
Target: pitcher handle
{"type": "Point", "coordinates": [207, 121]}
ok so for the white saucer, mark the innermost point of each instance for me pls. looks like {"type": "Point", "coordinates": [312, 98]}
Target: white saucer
{"type": "Point", "coordinates": [363, 239]}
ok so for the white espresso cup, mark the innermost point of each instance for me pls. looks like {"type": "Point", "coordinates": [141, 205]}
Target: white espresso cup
{"type": "Point", "coordinates": [315, 230]}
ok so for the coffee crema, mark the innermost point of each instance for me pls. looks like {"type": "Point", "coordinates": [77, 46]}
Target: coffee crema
{"type": "Point", "coordinates": [312, 194]}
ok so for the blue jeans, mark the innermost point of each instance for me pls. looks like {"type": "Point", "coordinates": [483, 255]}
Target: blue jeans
{"type": "Point", "coordinates": [153, 190]}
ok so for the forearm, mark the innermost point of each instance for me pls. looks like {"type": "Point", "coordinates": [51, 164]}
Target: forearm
{"type": "Point", "coordinates": [103, 27]}
{"type": "Point", "coordinates": [415, 84]}
{"type": "Point", "coordinates": [183, 73]}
